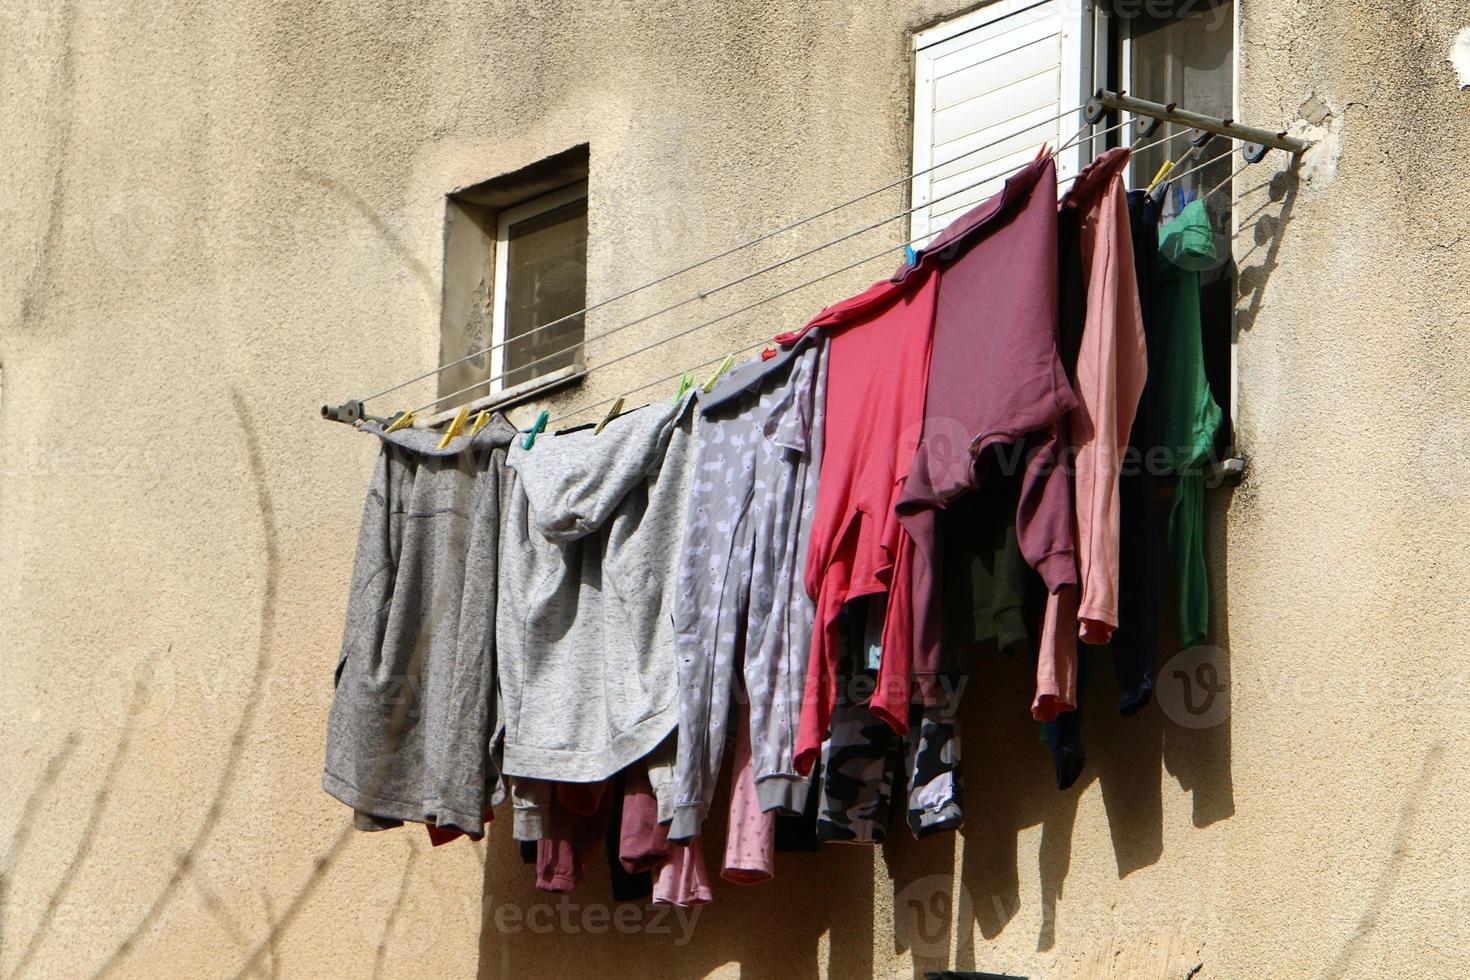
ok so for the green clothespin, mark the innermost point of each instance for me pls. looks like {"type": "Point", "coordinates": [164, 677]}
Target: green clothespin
{"type": "Point", "coordinates": [685, 383]}
{"type": "Point", "coordinates": [725, 365]}
{"type": "Point", "coordinates": [537, 427]}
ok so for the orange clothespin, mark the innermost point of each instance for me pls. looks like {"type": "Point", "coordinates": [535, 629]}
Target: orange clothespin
{"type": "Point", "coordinates": [1044, 152]}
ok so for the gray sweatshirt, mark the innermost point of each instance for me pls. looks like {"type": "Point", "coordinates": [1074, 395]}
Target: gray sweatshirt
{"type": "Point", "coordinates": [413, 716]}
{"type": "Point", "coordinates": [589, 547]}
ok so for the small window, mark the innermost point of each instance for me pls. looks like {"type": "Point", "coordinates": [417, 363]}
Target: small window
{"type": "Point", "coordinates": [540, 279]}
{"type": "Point", "coordinates": [515, 284]}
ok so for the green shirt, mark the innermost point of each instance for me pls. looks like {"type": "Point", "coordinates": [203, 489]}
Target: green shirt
{"type": "Point", "coordinates": [1186, 415]}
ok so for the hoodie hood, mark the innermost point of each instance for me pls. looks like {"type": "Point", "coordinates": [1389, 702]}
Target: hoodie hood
{"type": "Point", "coordinates": [576, 481]}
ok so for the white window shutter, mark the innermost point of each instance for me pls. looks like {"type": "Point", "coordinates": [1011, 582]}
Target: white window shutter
{"type": "Point", "coordinates": [997, 75]}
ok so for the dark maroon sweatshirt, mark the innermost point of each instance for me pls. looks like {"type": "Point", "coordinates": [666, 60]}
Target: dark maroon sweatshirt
{"type": "Point", "coordinates": [995, 376]}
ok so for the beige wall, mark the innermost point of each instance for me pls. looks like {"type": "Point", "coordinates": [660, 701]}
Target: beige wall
{"type": "Point", "coordinates": [217, 216]}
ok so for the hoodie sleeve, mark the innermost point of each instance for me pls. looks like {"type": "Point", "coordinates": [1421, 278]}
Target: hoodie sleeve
{"type": "Point", "coordinates": [473, 696]}
{"type": "Point", "coordinates": [1044, 512]}
{"type": "Point", "coordinates": [374, 566]}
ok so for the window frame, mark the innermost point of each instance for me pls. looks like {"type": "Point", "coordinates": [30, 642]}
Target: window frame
{"type": "Point", "coordinates": [504, 221]}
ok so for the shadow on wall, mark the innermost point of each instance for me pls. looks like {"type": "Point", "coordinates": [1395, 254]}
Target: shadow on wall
{"type": "Point", "coordinates": [825, 903]}
{"type": "Point", "coordinates": [260, 959]}
{"type": "Point", "coordinates": [1265, 228]}
{"type": "Point", "coordinates": [774, 930]}
{"type": "Point", "coordinates": [777, 930]}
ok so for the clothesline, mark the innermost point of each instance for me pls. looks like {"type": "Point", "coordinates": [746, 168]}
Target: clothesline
{"type": "Point", "coordinates": [678, 374]}
{"type": "Point", "coordinates": [1168, 115]}
{"type": "Point", "coordinates": [720, 255]}
{"type": "Point", "coordinates": [768, 268]}
{"type": "Point", "coordinates": [721, 287]}
{"type": "Point", "coordinates": [785, 292]}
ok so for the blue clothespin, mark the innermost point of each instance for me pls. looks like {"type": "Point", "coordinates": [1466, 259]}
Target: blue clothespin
{"type": "Point", "coordinates": [909, 255]}
{"type": "Point", "coordinates": [537, 427]}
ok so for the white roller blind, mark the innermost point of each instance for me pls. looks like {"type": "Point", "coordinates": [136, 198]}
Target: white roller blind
{"type": "Point", "coordinates": [1002, 72]}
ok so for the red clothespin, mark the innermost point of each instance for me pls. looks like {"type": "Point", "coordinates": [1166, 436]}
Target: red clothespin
{"type": "Point", "coordinates": [768, 353]}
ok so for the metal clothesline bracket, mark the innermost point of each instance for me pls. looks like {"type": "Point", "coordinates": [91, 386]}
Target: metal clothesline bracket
{"type": "Point", "coordinates": [349, 411]}
{"type": "Point", "coordinates": [1221, 126]}
{"type": "Point", "coordinates": [1229, 471]}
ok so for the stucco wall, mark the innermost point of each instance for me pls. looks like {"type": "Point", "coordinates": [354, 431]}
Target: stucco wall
{"type": "Point", "coordinates": [217, 216]}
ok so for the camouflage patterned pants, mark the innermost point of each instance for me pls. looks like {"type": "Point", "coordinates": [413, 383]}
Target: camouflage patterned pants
{"type": "Point", "coordinates": [862, 759]}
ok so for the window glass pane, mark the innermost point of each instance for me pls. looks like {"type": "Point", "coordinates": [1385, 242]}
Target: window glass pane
{"type": "Point", "coordinates": [1186, 58]}
{"type": "Point", "coordinates": [545, 279]}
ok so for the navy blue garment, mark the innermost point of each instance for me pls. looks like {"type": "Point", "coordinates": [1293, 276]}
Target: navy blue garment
{"type": "Point", "coordinates": [1064, 735]}
{"type": "Point", "coordinates": [1135, 642]}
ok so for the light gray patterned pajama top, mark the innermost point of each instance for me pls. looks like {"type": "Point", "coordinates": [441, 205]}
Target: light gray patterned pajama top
{"type": "Point", "coordinates": [740, 591]}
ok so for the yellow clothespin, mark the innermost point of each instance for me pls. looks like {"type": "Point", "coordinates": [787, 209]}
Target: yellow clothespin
{"type": "Point", "coordinates": [402, 422]}
{"type": "Point", "coordinates": [1164, 170]}
{"type": "Point", "coordinates": [455, 427]}
{"type": "Point", "coordinates": [480, 421]}
{"type": "Point", "coordinates": [612, 413]}
{"type": "Point", "coordinates": [725, 365]}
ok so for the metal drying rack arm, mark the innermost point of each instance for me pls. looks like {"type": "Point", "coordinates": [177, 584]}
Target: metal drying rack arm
{"type": "Point", "coordinates": [1171, 113]}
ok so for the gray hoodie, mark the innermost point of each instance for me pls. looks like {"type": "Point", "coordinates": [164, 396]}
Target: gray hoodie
{"type": "Point", "coordinates": [413, 716]}
{"type": "Point", "coordinates": [589, 547]}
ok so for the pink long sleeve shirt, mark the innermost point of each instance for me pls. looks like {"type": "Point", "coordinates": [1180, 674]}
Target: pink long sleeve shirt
{"type": "Point", "coordinates": [1112, 365]}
